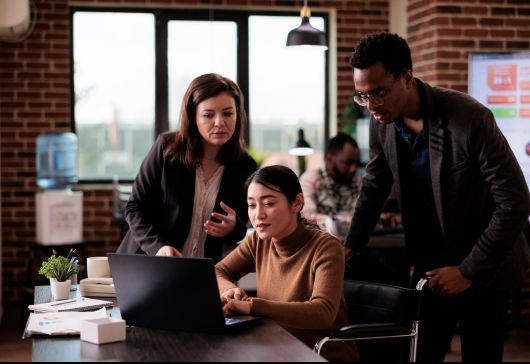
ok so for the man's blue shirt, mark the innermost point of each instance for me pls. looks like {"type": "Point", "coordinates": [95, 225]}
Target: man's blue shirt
{"type": "Point", "coordinates": [415, 174]}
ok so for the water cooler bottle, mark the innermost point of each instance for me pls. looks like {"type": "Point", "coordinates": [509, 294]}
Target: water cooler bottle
{"type": "Point", "coordinates": [59, 210]}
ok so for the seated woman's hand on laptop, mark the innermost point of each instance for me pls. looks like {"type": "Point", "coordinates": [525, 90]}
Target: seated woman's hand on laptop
{"type": "Point", "coordinates": [168, 251]}
{"type": "Point", "coordinates": [236, 294]}
{"type": "Point", "coordinates": [228, 223]}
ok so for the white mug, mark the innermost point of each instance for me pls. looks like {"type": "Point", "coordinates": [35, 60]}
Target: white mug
{"type": "Point", "coordinates": [98, 267]}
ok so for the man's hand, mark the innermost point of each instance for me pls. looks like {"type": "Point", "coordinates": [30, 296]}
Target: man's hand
{"type": "Point", "coordinates": [348, 253]}
{"type": "Point", "coordinates": [448, 281]}
{"type": "Point", "coordinates": [389, 219]}
{"type": "Point", "coordinates": [168, 251]}
{"type": "Point", "coordinates": [228, 223]}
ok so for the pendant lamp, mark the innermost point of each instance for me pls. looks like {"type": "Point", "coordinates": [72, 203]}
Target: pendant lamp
{"type": "Point", "coordinates": [305, 35]}
{"type": "Point", "coordinates": [300, 147]}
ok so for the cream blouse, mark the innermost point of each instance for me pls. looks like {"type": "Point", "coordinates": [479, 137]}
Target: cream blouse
{"type": "Point", "coordinates": [204, 203]}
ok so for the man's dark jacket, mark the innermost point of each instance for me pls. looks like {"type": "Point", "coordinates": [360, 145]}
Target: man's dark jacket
{"type": "Point", "coordinates": [160, 208]}
{"type": "Point", "coordinates": [481, 195]}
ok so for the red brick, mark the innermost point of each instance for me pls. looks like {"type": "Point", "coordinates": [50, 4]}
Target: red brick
{"type": "Point", "coordinates": [24, 114]}
{"type": "Point", "coordinates": [517, 22]}
{"type": "Point", "coordinates": [475, 32]}
{"type": "Point", "coordinates": [7, 54]}
{"type": "Point", "coordinates": [39, 85]}
{"type": "Point", "coordinates": [502, 33]}
{"type": "Point", "coordinates": [491, 22]}
{"type": "Point", "coordinates": [28, 95]}
{"type": "Point", "coordinates": [462, 43]}
{"type": "Point", "coordinates": [56, 55]}
{"type": "Point", "coordinates": [39, 46]}
{"type": "Point", "coordinates": [463, 21]}
{"type": "Point", "coordinates": [11, 65]}
{"type": "Point", "coordinates": [490, 44]}
{"type": "Point", "coordinates": [51, 16]}
{"type": "Point", "coordinates": [29, 55]}
{"type": "Point", "coordinates": [460, 66]}
{"type": "Point", "coordinates": [518, 44]}
{"type": "Point", "coordinates": [523, 33]}
{"type": "Point", "coordinates": [448, 32]}
{"type": "Point", "coordinates": [502, 11]}
{"type": "Point", "coordinates": [57, 115]}
{"type": "Point", "coordinates": [28, 75]}
{"type": "Point", "coordinates": [40, 104]}
{"type": "Point", "coordinates": [43, 125]}
{"type": "Point", "coordinates": [475, 10]}
{"type": "Point", "coordinates": [56, 36]}
{"type": "Point", "coordinates": [12, 104]}
{"type": "Point", "coordinates": [56, 95]}
{"type": "Point", "coordinates": [38, 65]}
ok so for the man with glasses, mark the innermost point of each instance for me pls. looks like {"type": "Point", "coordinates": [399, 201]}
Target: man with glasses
{"type": "Point", "coordinates": [463, 198]}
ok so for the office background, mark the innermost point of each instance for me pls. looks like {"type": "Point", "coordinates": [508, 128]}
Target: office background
{"type": "Point", "coordinates": [35, 91]}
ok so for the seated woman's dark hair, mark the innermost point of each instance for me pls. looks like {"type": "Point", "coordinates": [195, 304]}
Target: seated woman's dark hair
{"type": "Point", "coordinates": [280, 179]}
{"type": "Point", "coordinates": [185, 145]}
{"type": "Point", "coordinates": [391, 49]}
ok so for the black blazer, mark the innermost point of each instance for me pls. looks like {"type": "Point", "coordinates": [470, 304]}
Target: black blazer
{"type": "Point", "coordinates": [160, 208]}
{"type": "Point", "coordinates": [480, 192]}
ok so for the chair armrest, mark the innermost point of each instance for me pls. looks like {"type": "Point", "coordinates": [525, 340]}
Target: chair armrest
{"type": "Point", "coordinates": [369, 331]}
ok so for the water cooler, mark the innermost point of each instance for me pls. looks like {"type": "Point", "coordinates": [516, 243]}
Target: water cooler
{"type": "Point", "coordinates": [59, 210]}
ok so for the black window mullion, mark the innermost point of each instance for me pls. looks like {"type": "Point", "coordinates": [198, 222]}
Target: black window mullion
{"type": "Point", "coordinates": [161, 75]}
{"type": "Point", "coordinates": [243, 67]}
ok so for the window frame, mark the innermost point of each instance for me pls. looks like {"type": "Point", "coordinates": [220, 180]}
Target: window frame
{"type": "Point", "coordinates": [162, 17]}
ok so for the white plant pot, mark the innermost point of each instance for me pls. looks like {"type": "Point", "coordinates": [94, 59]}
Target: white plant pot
{"type": "Point", "coordinates": [60, 290]}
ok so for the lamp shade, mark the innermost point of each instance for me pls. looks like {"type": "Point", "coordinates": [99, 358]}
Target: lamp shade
{"type": "Point", "coordinates": [300, 147]}
{"type": "Point", "coordinates": [306, 35]}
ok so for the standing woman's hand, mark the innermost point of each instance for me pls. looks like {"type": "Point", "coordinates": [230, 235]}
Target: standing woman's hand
{"type": "Point", "coordinates": [168, 251]}
{"type": "Point", "coordinates": [228, 223]}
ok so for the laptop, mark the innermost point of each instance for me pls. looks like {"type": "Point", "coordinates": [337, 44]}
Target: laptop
{"type": "Point", "coordinates": [171, 293]}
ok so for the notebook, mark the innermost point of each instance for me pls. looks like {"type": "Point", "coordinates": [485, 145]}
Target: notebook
{"type": "Point", "coordinates": [78, 304]}
{"type": "Point", "coordinates": [65, 323]}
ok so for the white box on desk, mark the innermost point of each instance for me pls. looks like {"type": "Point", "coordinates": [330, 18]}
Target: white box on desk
{"type": "Point", "coordinates": [103, 331]}
{"type": "Point", "coordinates": [59, 215]}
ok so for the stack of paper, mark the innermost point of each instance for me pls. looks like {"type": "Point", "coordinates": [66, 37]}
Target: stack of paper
{"type": "Point", "coordinates": [77, 304]}
{"type": "Point", "coordinates": [97, 287]}
{"type": "Point", "coordinates": [64, 323]}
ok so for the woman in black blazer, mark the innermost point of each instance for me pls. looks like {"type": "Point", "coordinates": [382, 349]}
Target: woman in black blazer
{"type": "Point", "coordinates": [171, 210]}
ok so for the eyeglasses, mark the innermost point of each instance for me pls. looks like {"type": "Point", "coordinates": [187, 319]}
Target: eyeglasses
{"type": "Point", "coordinates": [376, 99]}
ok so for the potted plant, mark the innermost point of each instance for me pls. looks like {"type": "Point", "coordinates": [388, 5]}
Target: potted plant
{"type": "Point", "coordinates": [59, 270]}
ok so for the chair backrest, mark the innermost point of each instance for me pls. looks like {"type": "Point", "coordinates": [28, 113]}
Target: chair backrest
{"type": "Point", "coordinates": [371, 303]}
{"type": "Point", "coordinates": [122, 192]}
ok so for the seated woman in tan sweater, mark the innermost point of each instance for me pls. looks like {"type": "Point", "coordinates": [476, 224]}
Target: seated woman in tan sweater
{"type": "Point", "coordinates": [299, 268]}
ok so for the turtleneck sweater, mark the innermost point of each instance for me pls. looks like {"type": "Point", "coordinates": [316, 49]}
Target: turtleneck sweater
{"type": "Point", "coordinates": [299, 282]}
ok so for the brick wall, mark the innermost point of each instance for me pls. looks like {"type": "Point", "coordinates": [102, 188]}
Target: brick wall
{"type": "Point", "coordinates": [34, 99]}
{"type": "Point", "coordinates": [442, 33]}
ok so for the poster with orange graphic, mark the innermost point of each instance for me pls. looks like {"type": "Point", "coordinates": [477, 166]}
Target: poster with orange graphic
{"type": "Point", "coordinates": [502, 77]}
{"type": "Point", "coordinates": [501, 82]}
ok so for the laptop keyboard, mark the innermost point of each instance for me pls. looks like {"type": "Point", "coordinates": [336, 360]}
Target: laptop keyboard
{"type": "Point", "coordinates": [236, 320]}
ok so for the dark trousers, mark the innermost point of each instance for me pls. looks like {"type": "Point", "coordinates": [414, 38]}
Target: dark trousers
{"type": "Point", "coordinates": [482, 314]}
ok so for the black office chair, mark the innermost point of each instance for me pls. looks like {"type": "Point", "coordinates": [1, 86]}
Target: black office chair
{"type": "Point", "coordinates": [378, 311]}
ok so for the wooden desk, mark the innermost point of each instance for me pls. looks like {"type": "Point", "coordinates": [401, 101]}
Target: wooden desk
{"type": "Point", "coordinates": [266, 341]}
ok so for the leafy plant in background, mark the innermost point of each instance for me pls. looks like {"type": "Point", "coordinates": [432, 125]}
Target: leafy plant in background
{"type": "Point", "coordinates": [58, 268]}
{"type": "Point", "coordinates": [348, 121]}
{"type": "Point", "coordinates": [259, 157]}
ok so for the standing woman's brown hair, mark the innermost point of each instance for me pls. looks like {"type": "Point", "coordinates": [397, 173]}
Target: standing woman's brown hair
{"type": "Point", "coordinates": [185, 146]}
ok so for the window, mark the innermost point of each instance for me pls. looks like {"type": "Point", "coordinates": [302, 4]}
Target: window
{"type": "Point", "coordinates": [114, 78]}
{"type": "Point", "coordinates": [287, 86]}
{"type": "Point", "coordinates": [132, 66]}
{"type": "Point", "coordinates": [196, 48]}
